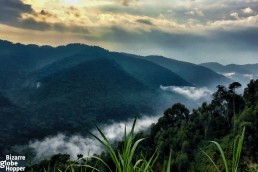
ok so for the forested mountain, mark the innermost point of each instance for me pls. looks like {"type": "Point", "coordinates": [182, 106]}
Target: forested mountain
{"type": "Point", "coordinates": [91, 92]}
{"type": "Point", "coordinates": [191, 72]}
{"type": "Point", "coordinates": [70, 88]}
{"type": "Point", "coordinates": [13, 122]}
{"type": "Point", "coordinates": [185, 134]}
{"type": "Point", "coordinates": [18, 60]}
{"type": "Point", "coordinates": [241, 69]}
{"type": "Point", "coordinates": [240, 73]}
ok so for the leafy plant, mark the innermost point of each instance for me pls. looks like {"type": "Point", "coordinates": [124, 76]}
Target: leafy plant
{"type": "Point", "coordinates": [124, 161]}
{"type": "Point", "coordinates": [237, 149]}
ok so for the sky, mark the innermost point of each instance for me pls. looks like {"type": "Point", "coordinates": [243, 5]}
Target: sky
{"type": "Point", "coordinates": [196, 31]}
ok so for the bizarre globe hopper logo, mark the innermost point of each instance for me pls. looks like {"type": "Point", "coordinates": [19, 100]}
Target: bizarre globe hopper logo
{"type": "Point", "coordinates": [11, 163]}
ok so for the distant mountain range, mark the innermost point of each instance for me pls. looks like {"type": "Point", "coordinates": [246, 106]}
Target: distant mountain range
{"type": "Point", "coordinates": [240, 73]}
{"type": "Point", "coordinates": [70, 88]}
{"type": "Point", "coordinates": [198, 75]}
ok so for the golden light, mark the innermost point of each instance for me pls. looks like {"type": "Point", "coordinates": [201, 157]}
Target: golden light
{"type": "Point", "coordinates": [72, 2]}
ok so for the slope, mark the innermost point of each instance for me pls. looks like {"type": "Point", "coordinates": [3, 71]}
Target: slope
{"type": "Point", "coordinates": [148, 72]}
{"type": "Point", "coordinates": [93, 91]}
{"type": "Point", "coordinates": [13, 122]}
{"type": "Point", "coordinates": [239, 73]}
{"type": "Point", "coordinates": [198, 75]}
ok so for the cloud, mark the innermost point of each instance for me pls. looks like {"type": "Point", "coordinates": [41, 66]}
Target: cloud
{"type": "Point", "coordinates": [247, 10]}
{"type": "Point", "coordinates": [39, 37]}
{"type": "Point", "coordinates": [195, 11]}
{"type": "Point", "coordinates": [194, 31]}
{"type": "Point", "coordinates": [249, 76]}
{"type": "Point", "coordinates": [31, 23]}
{"type": "Point", "coordinates": [235, 15]}
{"type": "Point", "coordinates": [144, 21]}
{"type": "Point", "coordinates": [192, 93]}
{"type": "Point", "coordinates": [126, 2]}
{"type": "Point", "coordinates": [47, 14]}
{"type": "Point", "coordinates": [229, 75]}
{"type": "Point", "coordinates": [78, 144]}
{"type": "Point", "coordinates": [11, 11]}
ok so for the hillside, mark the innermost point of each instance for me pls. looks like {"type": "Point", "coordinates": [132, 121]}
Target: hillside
{"type": "Point", "coordinates": [197, 75]}
{"type": "Point", "coordinates": [13, 124]}
{"type": "Point", "coordinates": [226, 68]}
{"type": "Point", "coordinates": [240, 73]}
{"type": "Point", "coordinates": [185, 135]}
{"type": "Point", "coordinates": [148, 72]}
{"type": "Point", "coordinates": [89, 93]}
{"type": "Point", "coordinates": [18, 60]}
{"type": "Point", "coordinates": [73, 87]}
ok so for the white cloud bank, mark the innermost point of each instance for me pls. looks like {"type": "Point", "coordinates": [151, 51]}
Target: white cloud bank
{"type": "Point", "coordinates": [229, 75]}
{"type": "Point", "coordinates": [248, 10]}
{"type": "Point", "coordinates": [192, 93]}
{"type": "Point", "coordinates": [249, 76]}
{"type": "Point", "coordinates": [77, 144]}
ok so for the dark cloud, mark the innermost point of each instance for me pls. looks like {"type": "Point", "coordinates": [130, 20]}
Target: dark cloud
{"type": "Point", "coordinates": [145, 21]}
{"type": "Point", "coordinates": [46, 13]}
{"type": "Point", "coordinates": [244, 39]}
{"type": "Point", "coordinates": [126, 2]}
{"type": "Point", "coordinates": [73, 11]}
{"type": "Point", "coordinates": [30, 23]}
{"type": "Point", "coordinates": [11, 10]}
{"type": "Point", "coordinates": [222, 46]}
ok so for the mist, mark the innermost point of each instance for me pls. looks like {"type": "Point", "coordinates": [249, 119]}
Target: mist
{"type": "Point", "coordinates": [78, 144]}
{"type": "Point", "coordinates": [191, 93]}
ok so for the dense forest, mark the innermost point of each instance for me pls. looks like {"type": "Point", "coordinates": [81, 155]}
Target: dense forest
{"type": "Point", "coordinates": [69, 88]}
{"type": "Point", "coordinates": [184, 134]}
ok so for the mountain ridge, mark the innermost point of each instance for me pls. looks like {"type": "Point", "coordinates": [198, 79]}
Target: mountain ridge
{"type": "Point", "coordinates": [70, 88]}
{"type": "Point", "coordinates": [190, 71]}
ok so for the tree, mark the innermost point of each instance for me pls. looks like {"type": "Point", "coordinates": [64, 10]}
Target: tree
{"type": "Point", "coordinates": [232, 91]}
{"type": "Point", "coordinates": [233, 86]}
{"type": "Point", "coordinates": [251, 93]}
{"type": "Point", "coordinates": [176, 112]}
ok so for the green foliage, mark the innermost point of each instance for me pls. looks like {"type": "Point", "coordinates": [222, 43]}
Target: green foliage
{"type": "Point", "coordinates": [124, 161]}
{"type": "Point", "coordinates": [184, 134]}
{"type": "Point", "coordinates": [69, 88]}
{"type": "Point", "coordinates": [251, 93]}
{"type": "Point", "coordinates": [238, 144]}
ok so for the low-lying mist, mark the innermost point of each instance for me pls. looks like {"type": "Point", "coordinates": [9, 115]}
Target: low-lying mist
{"type": "Point", "coordinates": [191, 93]}
{"type": "Point", "coordinates": [78, 144]}
{"type": "Point", "coordinates": [88, 145]}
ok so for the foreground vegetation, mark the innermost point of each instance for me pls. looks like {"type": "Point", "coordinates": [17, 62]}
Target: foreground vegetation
{"type": "Point", "coordinates": [124, 161]}
{"type": "Point", "coordinates": [181, 139]}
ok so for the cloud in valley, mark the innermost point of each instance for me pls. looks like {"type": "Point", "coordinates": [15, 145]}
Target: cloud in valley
{"type": "Point", "coordinates": [229, 75]}
{"type": "Point", "coordinates": [249, 76]}
{"type": "Point", "coordinates": [78, 144]}
{"type": "Point", "coordinates": [192, 93]}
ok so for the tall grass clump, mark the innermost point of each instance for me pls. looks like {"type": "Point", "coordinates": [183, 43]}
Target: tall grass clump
{"type": "Point", "coordinates": [125, 160]}
{"type": "Point", "coordinates": [237, 149]}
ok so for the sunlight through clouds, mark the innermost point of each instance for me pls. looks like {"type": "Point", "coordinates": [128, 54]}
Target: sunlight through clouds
{"type": "Point", "coordinates": [194, 31]}
{"type": "Point", "coordinates": [72, 2]}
